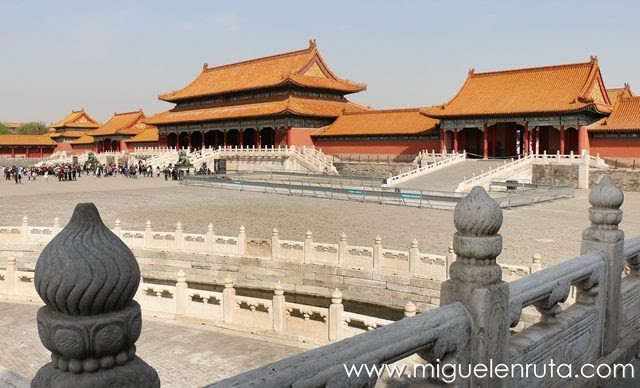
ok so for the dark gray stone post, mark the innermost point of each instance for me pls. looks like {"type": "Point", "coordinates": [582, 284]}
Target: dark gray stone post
{"type": "Point", "coordinates": [87, 278]}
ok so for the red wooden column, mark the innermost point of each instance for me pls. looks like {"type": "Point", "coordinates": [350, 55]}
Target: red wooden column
{"type": "Point", "coordinates": [464, 140]}
{"type": "Point", "coordinates": [562, 140]}
{"type": "Point", "coordinates": [26, 151]}
{"type": "Point", "coordinates": [241, 138]}
{"type": "Point", "coordinates": [202, 137]}
{"type": "Point", "coordinates": [441, 139]}
{"type": "Point", "coordinates": [258, 142]}
{"type": "Point", "coordinates": [41, 152]}
{"type": "Point", "coordinates": [532, 139]}
{"type": "Point", "coordinates": [190, 140]}
{"type": "Point", "coordinates": [493, 141]}
{"type": "Point", "coordinates": [583, 139]}
{"type": "Point", "coordinates": [485, 142]}
{"type": "Point", "coordinates": [13, 152]}
{"type": "Point", "coordinates": [455, 139]}
{"type": "Point", "coordinates": [225, 138]}
{"type": "Point", "coordinates": [526, 139]}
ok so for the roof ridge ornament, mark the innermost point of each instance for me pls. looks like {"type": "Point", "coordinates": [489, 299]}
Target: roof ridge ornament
{"type": "Point", "coordinates": [312, 44]}
{"type": "Point", "coordinates": [205, 66]}
{"type": "Point", "coordinates": [472, 71]}
{"type": "Point", "coordinates": [593, 58]}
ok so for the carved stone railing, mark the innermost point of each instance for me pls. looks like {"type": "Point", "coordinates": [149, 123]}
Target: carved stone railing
{"type": "Point", "coordinates": [432, 335]}
{"type": "Point", "coordinates": [375, 257]}
{"type": "Point", "coordinates": [600, 326]}
{"type": "Point", "coordinates": [447, 161]}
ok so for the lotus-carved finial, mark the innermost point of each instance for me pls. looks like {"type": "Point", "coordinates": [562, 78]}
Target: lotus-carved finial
{"type": "Point", "coordinates": [477, 214]}
{"type": "Point", "coordinates": [606, 195]}
{"type": "Point", "coordinates": [86, 269]}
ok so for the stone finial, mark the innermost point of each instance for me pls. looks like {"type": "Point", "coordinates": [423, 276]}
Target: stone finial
{"type": "Point", "coordinates": [179, 225]}
{"type": "Point", "coordinates": [477, 214]}
{"type": "Point", "coordinates": [228, 282]}
{"type": "Point", "coordinates": [309, 234]}
{"type": "Point", "coordinates": [210, 227]}
{"type": "Point", "coordinates": [450, 250]}
{"type": "Point", "coordinates": [409, 309]}
{"type": "Point", "coordinates": [181, 276]}
{"type": "Point", "coordinates": [606, 195]}
{"type": "Point", "coordinates": [11, 260]}
{"type": "Point", "coordinates": [279, 290]}
{"type": "Point", "coordinates": [275, 232]}
{"type": "Point", "coordinates": [336, 296]}
{"type": "Point", "coordinates": [242, 230]}
{"type": "Point", "coordinates": [147, 225]}
{"type": "Point", "coordinates": [414, 243]}
{"type": "Point", "coordinates": [378, 239]}
{"type": "Point", "coordinates": [56, 222]}
{"type": "Point", "coordinates": [343, 236]}
{"type": "Point", "coordinates": [87, 278]}
{"type": "Point", "coordinates": [117, 223]}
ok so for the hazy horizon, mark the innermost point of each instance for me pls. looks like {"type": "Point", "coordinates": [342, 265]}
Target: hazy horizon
{"type": "Point", "coordinates": [118, 56]}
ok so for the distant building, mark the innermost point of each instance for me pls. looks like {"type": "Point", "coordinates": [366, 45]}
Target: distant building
{"type": "Point", "coordinates": [13, 127]}
{"type": "Point", "coordinates": [75, 125]}
{"type": "Point", "coordinates": [113, 134]}
{"type": "Point", "coordinates": [26, 146]}
{"type": "Point", "coordinates": [522, 111]}
{"type": "Point", "coordinates": [270, 101]}
{"type": "Point", "coordinates": [381, 132]}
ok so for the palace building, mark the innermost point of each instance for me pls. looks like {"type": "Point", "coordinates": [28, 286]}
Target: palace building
{"type": "Point", "coordinates": [618, 136]}
{"type": "Point", "coordinates": [382, 132]}
{"type": "Point", "coordinates": [75, 125]}
{"type": "Point", "coordinates": [26, 146]}
{"type": "Point", "coordinates": [271, 101]}
{"type": "Point", "coordinates": [515, 112]}
{"type": "Point", "coordinates": [112, 136]}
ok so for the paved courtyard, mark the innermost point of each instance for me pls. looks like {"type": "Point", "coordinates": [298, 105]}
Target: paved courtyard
{"type": "Point", "coordinates": [552, 229]}
{"type": "Point", "coordinates": [184, 354]}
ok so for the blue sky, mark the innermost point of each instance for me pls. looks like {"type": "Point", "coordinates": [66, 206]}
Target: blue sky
{"type": "Point", "coordinates": [112, 56]}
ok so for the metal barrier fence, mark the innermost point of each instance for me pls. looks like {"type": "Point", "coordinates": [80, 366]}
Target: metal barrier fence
{"type": "Point", "coordinates": [371, 194]}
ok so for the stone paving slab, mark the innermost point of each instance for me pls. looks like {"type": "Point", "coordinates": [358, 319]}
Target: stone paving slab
{"type": "Point", "coordinates": [184, 354]}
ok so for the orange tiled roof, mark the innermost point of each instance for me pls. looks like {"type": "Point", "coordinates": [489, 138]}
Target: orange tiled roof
{"type": "Point", "coordinates": [119, 123]}
{"type": "Point", "coordinates": [26, 140]}
{"type": "Point", "coordinates": [84, 139]}
{"type": "Point", "coordinates": [77, 119]}
{"type": "Point", "coordinates": [294, 105]}
{"type": "Point", "coordinates": [624, 117]}
{"type": "Point", "coordinates": [304, 67]}
{"type": "Point", "coordinates": [551, 89]}
{"type": "Point", "coordinates": [148, 135]}
{"type": "Point", "coordinates": [67, 134]}
{"type": "Point", "coordinates": [624, 91]}
{"type": "Point", "coordinates": [380, 122]}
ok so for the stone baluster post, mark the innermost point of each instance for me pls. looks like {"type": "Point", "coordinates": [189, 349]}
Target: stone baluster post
{"type": "Point", "coordinates": [377, 252]}
{"type": "Point", "coordinates": [181, 293]}
{"type": "Point", "coordinates": [148, 235]}
{"type": "Point", "coordinates": [56, 226]}
{"type": "Point", "coordinates": [449, 258]}
{"type": "Point", "coordinates": [24, 230]}
{"type": "Point", "coordinates": [476, 280]}
{"type": "Point", "coordinates": [10, 276]}
{"type": "Point", "coordinates": [335, 315]}
{"type": "Point", "coordinates": [603, 236]}
{"type": "Point", "coordinates": [275, 243]}
{"type": "Point", "coordinates": [413, 256]}
{"type": "Point", "coordinates": [536, 263]}
{"type": "Point", "coordinates": [228, 300]}
{"type": "Point", "coordinates": [179, 237]}
{"type": "Point", "coordinates": [278, 309]}
{"type": "Point", "coordinates": [342, 250]}
{"type": "Point", "coordinates": [583, 171]}
{"type": "Point", "coordinates": [409, 310]}
{"type": "Point", "coordinates": [117, 229]}
{"type": "Point", "coordinates": [308, 247]}
{"type": "Point", "coordinates": [91, 334]}
{"type": "Point", "coordinates": [242, 241]}
{"type": "Point", "coordinates": [209, 238]}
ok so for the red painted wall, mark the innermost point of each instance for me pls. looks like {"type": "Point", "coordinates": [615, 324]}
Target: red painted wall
{"type": "Point", "coordinates": [622, 149]}
{"type": "Point", "coordinates": [382, 147]}
{"type": "Point", "coordinates": [300, 136]}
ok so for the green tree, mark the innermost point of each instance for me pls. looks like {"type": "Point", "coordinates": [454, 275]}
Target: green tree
{"type": "Point", "coordinates": [33, 128]}
{"type": "Point", "coordinates": [4, 130]}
